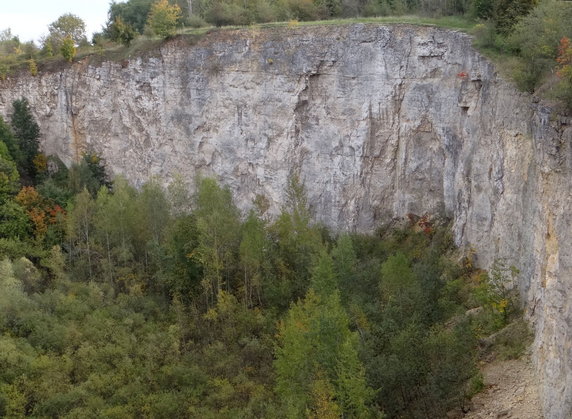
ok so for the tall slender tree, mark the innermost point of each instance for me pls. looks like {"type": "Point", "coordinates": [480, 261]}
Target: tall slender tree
{"type": "Point", "coordinates": [80, 231]}
{"type": "Point", "coordinates": [27, 132]}
{"type": "Point", "coordinates": [252, 250]}
{"type": "Point", "coordinates": [219, 236]}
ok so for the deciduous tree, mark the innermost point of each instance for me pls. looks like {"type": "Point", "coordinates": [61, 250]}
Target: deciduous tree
{"type": "Point", "coordinates": [122, 32]}
{"type": "Point", "coordinates": [253, 249]}
{"type": "Point", "coordinates": [80, 231]}
{"type": "Point", "coordinates": [131, 12]}
{"type": "Point", "coordinates": [565, 69]}
{"type": "Point", "coordinates": [66, 26]}
{"type": "Point", "coordinates": [219, 234]}
{"type": "Point", "coordinates": [9, 176]}
{"type": "Point", "coordinates": [68, 49]}
{"type": "Point", "coordinates": [164, 18]}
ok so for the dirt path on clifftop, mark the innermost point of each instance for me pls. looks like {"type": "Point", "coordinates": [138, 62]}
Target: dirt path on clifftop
{"type": "Point", "coordinates": [511, 391]}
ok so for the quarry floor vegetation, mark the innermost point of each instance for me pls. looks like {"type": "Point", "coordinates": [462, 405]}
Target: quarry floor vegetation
{"type": "Point", "coordinates": [186, 296]}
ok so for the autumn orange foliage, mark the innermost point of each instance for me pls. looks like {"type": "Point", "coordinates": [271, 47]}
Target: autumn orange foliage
{"type": "Point", "coordinates": [41, 212]}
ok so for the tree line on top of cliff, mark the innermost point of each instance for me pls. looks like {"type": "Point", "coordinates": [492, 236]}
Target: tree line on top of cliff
{"type": "Point", "coordinates": [531, 37]}
{"type": "Point", "coordinates": [233, 12]}
{"type": "Point", "coordinates": [535, 49]}
{"type": "Point", "coordinates": [124, 302]}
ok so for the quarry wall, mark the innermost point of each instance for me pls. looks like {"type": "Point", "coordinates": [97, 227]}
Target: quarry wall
{"type": "Point", "coordinates": [378, 122]}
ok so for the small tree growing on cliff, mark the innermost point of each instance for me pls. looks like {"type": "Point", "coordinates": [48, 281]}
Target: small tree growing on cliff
{"type": "Point", "coordinates": [66, 26]}
{"type": "Point", "coordinates": [164, 18]}
{"type": "Point", "coordinates": [68, 49]}
{"type": "Point", "coordinates": [120, 31]}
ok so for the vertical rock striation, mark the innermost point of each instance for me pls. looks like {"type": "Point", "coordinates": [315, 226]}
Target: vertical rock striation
{"type": "Point", "coordinates": [378, 121]}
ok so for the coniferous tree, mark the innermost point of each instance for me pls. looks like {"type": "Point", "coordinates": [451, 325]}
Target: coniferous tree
{"type": "Point", "coordinates": [298, 243]}
{"type": "Point", "coordinates": [27, 132]}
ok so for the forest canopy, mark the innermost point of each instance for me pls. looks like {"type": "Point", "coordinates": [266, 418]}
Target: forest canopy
{"type": "Point", "coordinates": [150, 302]}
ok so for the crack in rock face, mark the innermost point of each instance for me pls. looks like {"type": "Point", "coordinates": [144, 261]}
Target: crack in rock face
{"type": "Point", "coordinates": [378, 122]}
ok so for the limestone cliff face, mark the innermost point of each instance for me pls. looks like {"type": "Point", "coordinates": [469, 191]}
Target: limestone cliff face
{"type": "Point", "coordinates": [378, 121]}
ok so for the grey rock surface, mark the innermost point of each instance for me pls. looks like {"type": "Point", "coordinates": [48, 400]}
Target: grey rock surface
{"type": "Point", "coordinates": [378, 122]}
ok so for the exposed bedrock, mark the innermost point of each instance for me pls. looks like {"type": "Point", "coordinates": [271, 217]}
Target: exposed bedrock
{"type": "Point", "coordinates": [378, 122]}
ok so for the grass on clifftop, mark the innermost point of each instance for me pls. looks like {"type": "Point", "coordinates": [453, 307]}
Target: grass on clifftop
{"type": "Point", "coordinates": [528, 52]}
{"type": "Point", "coordinates": [451, 22]}
{"type": "Point", "coordinates": [143, 45]}
{"type": "Point", "coordinates": [146, 45]}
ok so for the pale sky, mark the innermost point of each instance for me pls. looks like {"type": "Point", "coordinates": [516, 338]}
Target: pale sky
{"type": "Point", "coordinates": [29, 19]}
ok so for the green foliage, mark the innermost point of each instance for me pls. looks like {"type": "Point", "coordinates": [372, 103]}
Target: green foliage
{"type": "Point", "coordinates": [297, 244]}
{"type": "Point", "coordinates": [55, 191]}
{"type": "Point", "coordinates": [483, 9]}
{"type": "Point", "coordinates": [565, 70]}
{"type": "Point", "coordinates": [33, 67]}
{"type": "Point", "coordinates": [527, 36]}
{"type": "Point", "coordinates": [254, 246]}
{"type": "Point", "coordinates": [415, 361]}
{"type": "Point", "coordinates": [27, 131]}
{"type": "Point", "coordinates": [67, 27]}
{"type": "Point", "coordinates": [317, 352]}
{"type": "Point", "coordinates": [444, 7]}
{"type": "Point", "coordinates": [14, 221]}
{"type": "Point", "coordinates": [8, 42]}
{"type": "Point", "coordinates": [11, 143]}
{"type": "Point", "coordinates": [28, 275]}
{"type": "Point", "coordinates": [476, 385]}
{"type": "Point", "coordinates": [68, 49]}
{"type": "Point", "coordinates": [494, 292]}
{"type": "Point", "coordinates": [323, 280]}
{"type": "Point", "coordinates": [79, 230]}
{"type": "Point", "coordinates": [13, 53]}
{"type": "Point", "coordinates": [143, 307]}
{"type": "Point", "coordinates": [183, 272]}
{"type": "Point", "coordinates": [9, 177]}
{"type": "Point", "coordinates": [122, 32]}
{"type": "Point", "coordinates": [197, 22]}
{"type": "Point", "coordinates": [219, 235]}
{"type": "Point", "coordinates": [506, 13]}
{"type": "Point", "coordinates": [164, 18]}
{"type": "Point", "coordinates": [132, 12]}
{"type": "Point", "coordinates": [536, 38]}
{"type": "Point", "coordinates": [397, 277]}
{"type": "Point", "coordinates": [89, 174]}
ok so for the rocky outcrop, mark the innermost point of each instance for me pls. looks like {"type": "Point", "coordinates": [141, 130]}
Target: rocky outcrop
{"type": "Point", "coordinates": [378, 121]}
